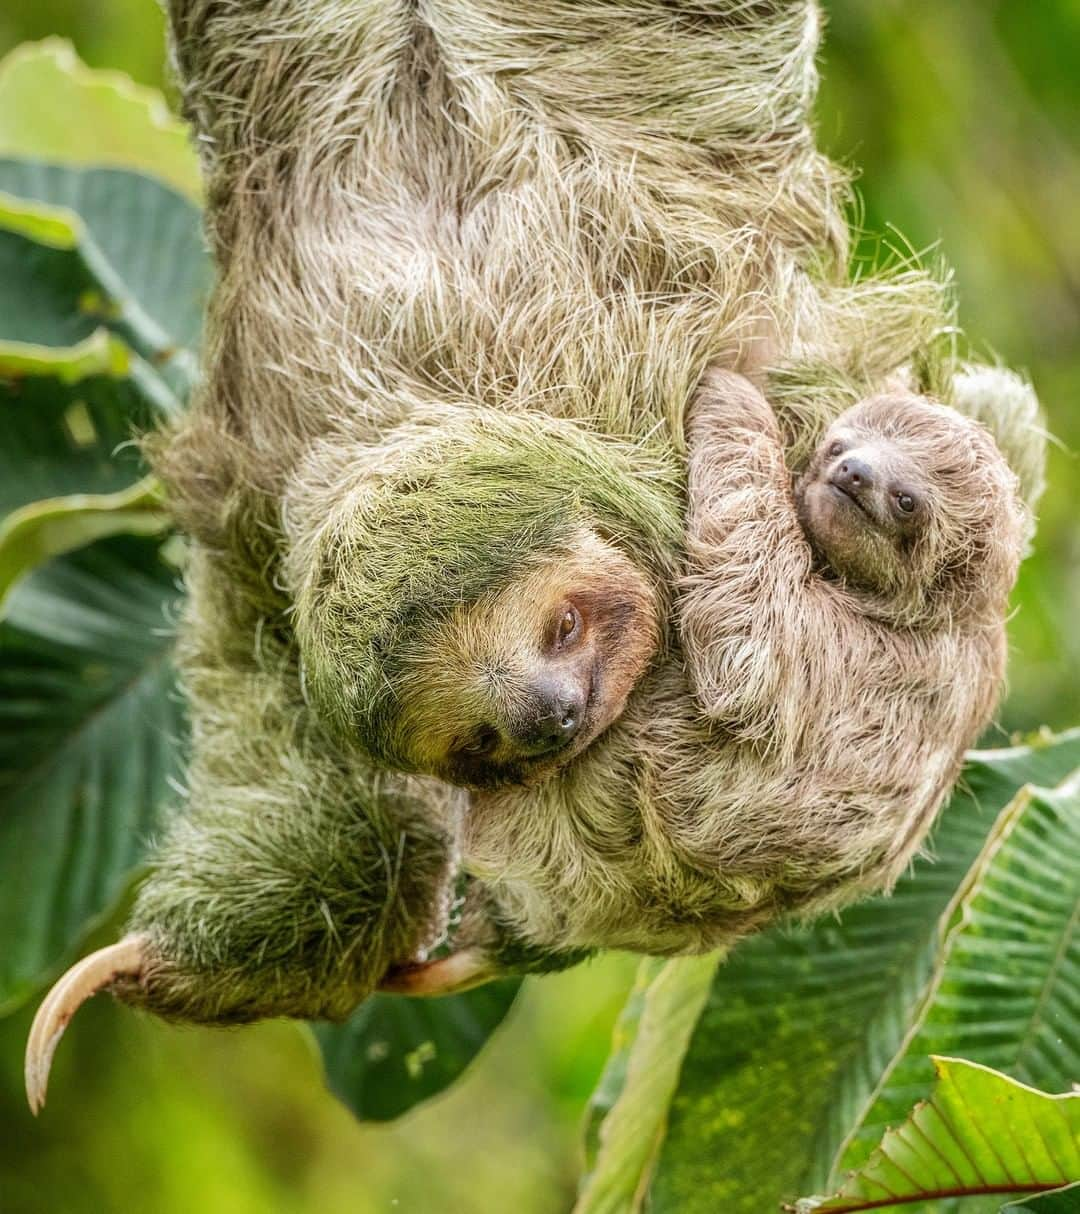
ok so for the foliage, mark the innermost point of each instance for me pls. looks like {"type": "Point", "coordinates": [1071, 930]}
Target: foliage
{"type": "Point", "coordinates": [641, 1078]}
{"type": "Point", "coordinates": [392, 1052]}
{"type": "Point", "coordinates": [52, 108]}
{"type": "Point", "coordinates": [810, 1039]}
{"type": "Point", "coordinates": [977, 1132]}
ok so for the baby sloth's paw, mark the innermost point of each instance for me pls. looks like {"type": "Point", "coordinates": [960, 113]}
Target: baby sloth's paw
{"type": "Point", "coordinates": [486, 946]}
{"type": "Point", "coordinates": [447, 976]}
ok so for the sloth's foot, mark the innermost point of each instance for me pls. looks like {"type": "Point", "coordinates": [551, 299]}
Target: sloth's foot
{"type": "Point", "coordinates": [126, 960]}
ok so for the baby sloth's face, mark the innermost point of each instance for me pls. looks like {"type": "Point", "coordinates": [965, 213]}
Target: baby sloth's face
{"type": "Point", "coordinates": [864, 501]}
{"type": "Point", "coordinates": [511, 687]}
{"type": "Point", "coordinates": [911, 501]}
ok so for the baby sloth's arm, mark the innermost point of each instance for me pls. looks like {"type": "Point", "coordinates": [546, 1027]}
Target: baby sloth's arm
{"type": "Point", "coordinates": [748, 599]}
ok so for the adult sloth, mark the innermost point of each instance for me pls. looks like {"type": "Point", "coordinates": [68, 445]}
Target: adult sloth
{"type": "Point", "coordinates": [531, 229]}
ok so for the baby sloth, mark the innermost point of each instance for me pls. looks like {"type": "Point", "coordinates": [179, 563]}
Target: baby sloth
{"type": "Point", "coordinates": [842, 643]}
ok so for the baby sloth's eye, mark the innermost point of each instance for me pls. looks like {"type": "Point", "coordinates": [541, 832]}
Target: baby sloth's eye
{"type": "Point", "coordinates": [835, 448]}
{"type": "Point", "coordinates": [905, 502]}
{"type": "Point", "coordinates": [568, 628]}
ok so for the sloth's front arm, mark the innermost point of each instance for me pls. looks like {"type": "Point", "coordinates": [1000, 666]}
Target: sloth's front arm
{"type": "Point", "coordinates": [747, 596]}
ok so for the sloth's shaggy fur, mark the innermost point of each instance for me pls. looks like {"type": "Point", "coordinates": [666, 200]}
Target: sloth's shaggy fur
{"type": "Point", "coordinates": [799, 760]}
{"type": "Point", "coordinates": [554, 217]}
{"type": "Point", "coordinates": [296, 873]}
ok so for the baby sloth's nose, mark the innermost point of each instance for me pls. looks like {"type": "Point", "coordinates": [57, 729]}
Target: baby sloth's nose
{"type": "Point", "coordinates": [854, 476]}
{"type": "Point", "coordinates": [557, 722]}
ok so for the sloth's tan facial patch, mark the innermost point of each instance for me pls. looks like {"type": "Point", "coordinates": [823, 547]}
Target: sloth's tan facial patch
{"type": "Point", "coordinates": [511, 687]}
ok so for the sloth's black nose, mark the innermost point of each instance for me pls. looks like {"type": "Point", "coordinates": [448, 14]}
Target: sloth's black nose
{"type": "Point", "coordinates": [558, 719]}
{"type": "Point", "coordinates": [854, 476]}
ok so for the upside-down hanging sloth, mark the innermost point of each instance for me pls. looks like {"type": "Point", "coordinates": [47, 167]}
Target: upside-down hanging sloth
{"type": "Point", "coordinates": [487, 569]}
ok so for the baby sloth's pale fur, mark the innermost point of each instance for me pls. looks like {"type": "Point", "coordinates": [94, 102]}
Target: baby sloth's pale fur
{"type": "Point", "coordinates": [474, 260]}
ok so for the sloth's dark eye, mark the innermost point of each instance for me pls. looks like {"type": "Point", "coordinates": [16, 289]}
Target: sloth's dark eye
{"type": "Point", "coordinates": [482, 742]}
{"type": "Point", "coordinates": [906, 502]}
{"type": "Point", "coordinates": [835, 448]}
{"type": "Point", "coordinates": [568, 628]}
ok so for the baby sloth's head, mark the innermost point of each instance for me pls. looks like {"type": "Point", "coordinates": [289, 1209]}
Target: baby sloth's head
{"type": "Point", "coordinates": [479, 602]}
{"type": "Point", "coordinates": [912, 503]}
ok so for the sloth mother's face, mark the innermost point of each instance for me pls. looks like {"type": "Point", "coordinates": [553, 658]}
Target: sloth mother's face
{"type": "Point", "coordinates": [510, 688]}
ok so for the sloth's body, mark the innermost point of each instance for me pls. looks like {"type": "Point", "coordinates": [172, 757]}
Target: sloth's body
{"type": "Point", "coordinates": [465, 298]}
{"type": "Point", "coordinates": [474, 259]}
{"type": "Point", "coordinates": [842, 645]}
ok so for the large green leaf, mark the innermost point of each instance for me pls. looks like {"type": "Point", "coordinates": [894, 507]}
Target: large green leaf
{"type": "Point", "coordinates": [90, 738]}
{"type": "Point", "coordinates": [977, 1132]}
{"type": "Point", "coordinates": [69, 415]}
{"type": "Point", "coordinates": [141, 240]}
{"type": "Point", "coordinates": [69, 473]}
{"type": "Point", "coordinates": [47, 293]}
{"type": "Point", "coordinates": [81, 248]}
{"type": "Point", "coordinates": [612, 1081]}
{"type": "Point", "coordinates": [800, 1024]}
{"type": "Point", "coordinates": [52, 106]}
{"type": "Point", "coordinates": [646, 1077]}
{"type": "Point", "coordinates": [34, 534]}
{"type": "Point", "coordinates": [394, 1052]}
{"type": "Point", "coordinates": [1005, 987]}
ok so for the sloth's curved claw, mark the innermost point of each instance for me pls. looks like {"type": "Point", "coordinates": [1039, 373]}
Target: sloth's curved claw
{"type": "Point", "coordinates": [450, 976]}
{"type": "Point", "coordinates": [85, 978]}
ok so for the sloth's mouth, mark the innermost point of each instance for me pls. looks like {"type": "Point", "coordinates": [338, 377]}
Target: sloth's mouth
{"type": "Point", "coordinates": [840, 491]}
{"type": "Point", "coordinates": [521, 770]}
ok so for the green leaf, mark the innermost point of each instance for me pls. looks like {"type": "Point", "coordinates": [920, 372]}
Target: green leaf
{"type": "Point", "coordinates": [69, 415]}
{"type": "Point", "coordinates": [1057, 1201]}
{"type": "Point", "coordinates": [1005, 987]}
{"type": "Point", "coordinates": [48, 295]}
{"type": "Point", "coordinates": [38, 532]}
{"type": "Point", "coordinates": [141, 241]}
{"type": "Point", "coordinates": [52, 226]}
{"type": "Point", "coordinates": [613, 1079]}
{"type": "Point", "coordinates": [120, 250]}
{"type": "Point", "coordinates": [90, 740]}
{"type": "Point", "coordinates": [978, 1132]}
{"type": "Point", "coordinates": [99, 354]}
{"type": "Point", "coordinates": [393, 1052]}
{"type": "Point", "coordinates": [801, 1023]}
{"type": "Point", "coordinates": [630, 1135]}
{"type": "Point", "coordinates": [54, 107]}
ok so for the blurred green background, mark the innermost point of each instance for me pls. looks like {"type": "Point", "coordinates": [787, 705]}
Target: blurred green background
{"type": "Point", "coordinates": [965, 119]}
